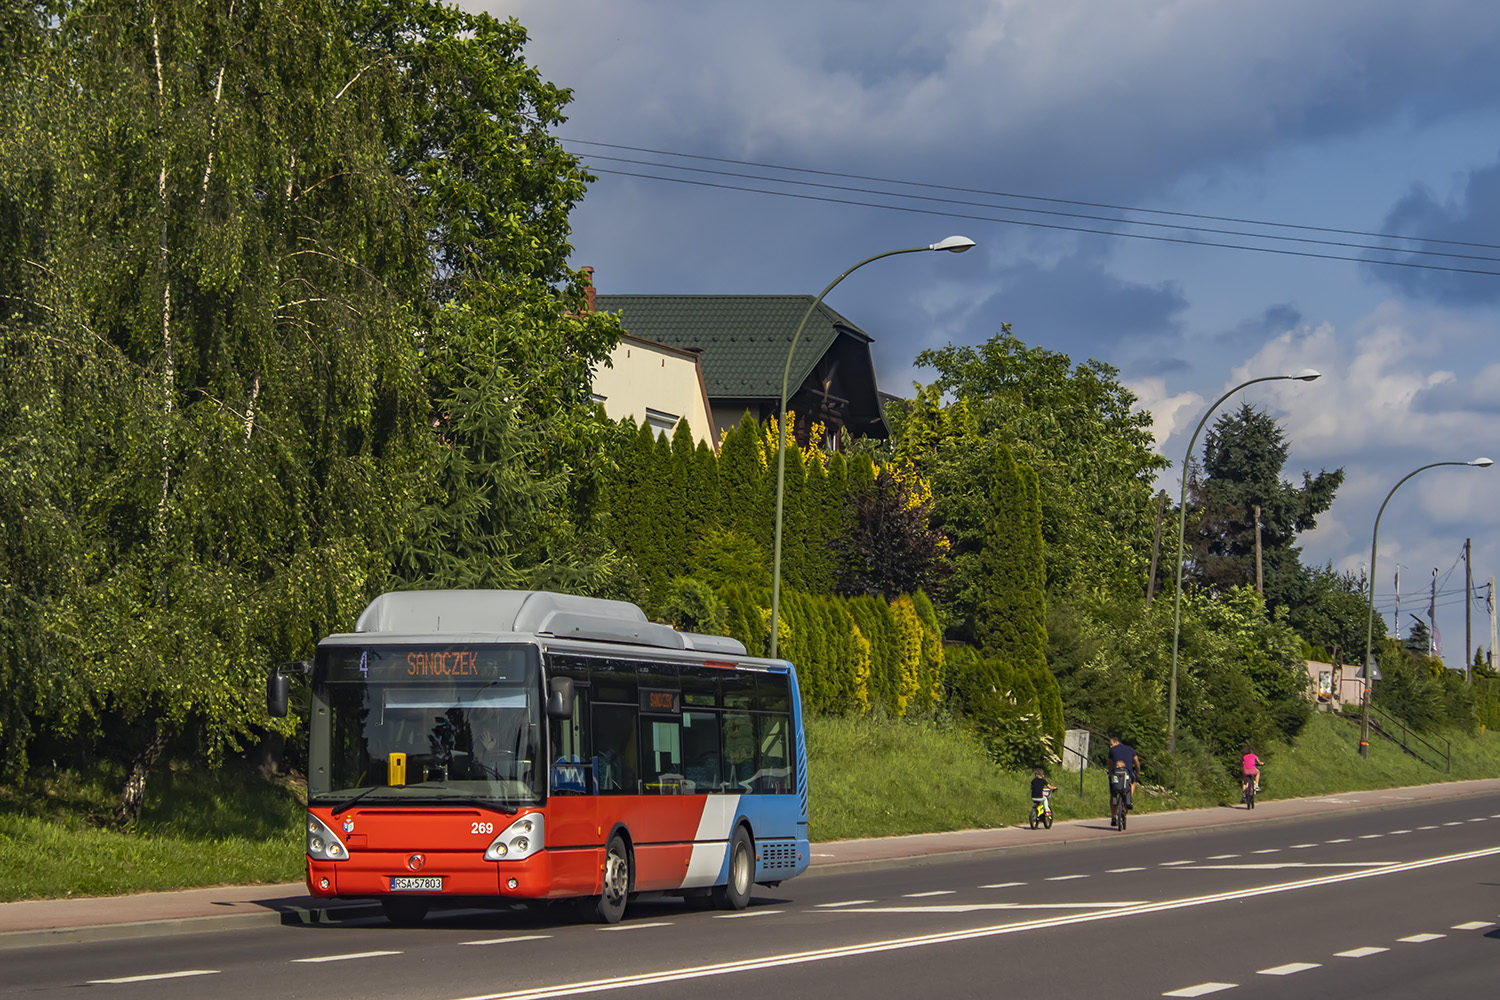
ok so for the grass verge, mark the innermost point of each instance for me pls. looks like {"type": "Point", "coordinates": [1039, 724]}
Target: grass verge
{"type": "Point", "coordinates": [869, 778]}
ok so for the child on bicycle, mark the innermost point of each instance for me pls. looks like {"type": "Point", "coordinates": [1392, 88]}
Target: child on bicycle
{"type": "Point", "coordinates": [1040, 790]}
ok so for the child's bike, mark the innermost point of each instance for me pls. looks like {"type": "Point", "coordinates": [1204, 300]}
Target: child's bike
{"type": "Point", "coordinates": [1041, 810]}
{"type": "Point", "coordinates": [1252, 784]}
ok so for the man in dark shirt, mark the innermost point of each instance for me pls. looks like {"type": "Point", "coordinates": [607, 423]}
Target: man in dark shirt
{"type": "Point", "coordinates": [1122, 755]}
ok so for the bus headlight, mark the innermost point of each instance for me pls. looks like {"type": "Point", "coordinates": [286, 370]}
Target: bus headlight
{"type": "Point", "coordinates": [322, 843]}
{"type": "Point", "coordinates": [520, 840]}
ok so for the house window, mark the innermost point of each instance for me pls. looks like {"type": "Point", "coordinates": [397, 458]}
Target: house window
{"type": "Point", "coordinates": [661, 421]}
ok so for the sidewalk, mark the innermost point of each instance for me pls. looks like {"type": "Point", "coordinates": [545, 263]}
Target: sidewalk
{"type": "Point", "coordinates": [56, 921]}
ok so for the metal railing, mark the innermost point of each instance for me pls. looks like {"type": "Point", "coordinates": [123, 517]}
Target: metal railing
{"type": "Point", "coordinates": [1437, 758]}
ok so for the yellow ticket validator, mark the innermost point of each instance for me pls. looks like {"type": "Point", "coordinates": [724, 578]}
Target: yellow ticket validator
{"type": "Point", "coordinates": [395, 769]}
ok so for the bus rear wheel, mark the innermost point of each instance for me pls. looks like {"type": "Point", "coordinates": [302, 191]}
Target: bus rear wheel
{"type": "Point", "coordinates": [735, 895]}
{"type": "Point", "coordinates": [609, 906]}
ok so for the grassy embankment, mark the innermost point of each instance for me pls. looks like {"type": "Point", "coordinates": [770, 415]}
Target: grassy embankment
{"type": "Point", "coordinates": [869, 779]}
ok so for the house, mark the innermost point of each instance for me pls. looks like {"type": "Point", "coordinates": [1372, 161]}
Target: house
{"type": "Point", "coordinates": [656, 384]}
{"type": "Point", "coordinates": [744, 341]}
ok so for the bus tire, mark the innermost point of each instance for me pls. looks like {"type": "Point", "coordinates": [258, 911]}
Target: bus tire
{"type": "Point", "coordinates": [609, 906]}
{"type": "Point", "coordinates": [404, 912]}
{"type": "Point", "coordinates": [735, 894]}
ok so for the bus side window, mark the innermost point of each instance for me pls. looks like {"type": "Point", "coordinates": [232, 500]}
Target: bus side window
{"type": "Point", "coordinates": [700, 752]}
{"type": "Point", "coordinates": [773, 771]}
{"type": "Point", "coordinates": [615, 749]}
{"type": "Point", "coordinates": [739, 752]}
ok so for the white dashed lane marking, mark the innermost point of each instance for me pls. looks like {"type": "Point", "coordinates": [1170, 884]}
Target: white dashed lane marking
{"type": "Point", "coordinates": [1421, 938]}
{"type": "Point", "coordinates": [1001, 885]}
{"type": "Point", "coordinates": [1287, 970]}
{"type": "Point", "coordinates": [641, 927]}
{"type": "Point", "coordinates": [1298, 847]}
{"type": "Point", "coordinates": [1360, 952]}
{"type": "Point", "coordinates": [734, 916]}
{"type": "Point", "coordinates": [1065, 878]}
{"type": "Point", "coordinates": [1117, 871]}
{"type": "Point", "coordinates": [1474, 925]}
{"type": "Point", "coordinates": [160, 975]}
{"type": "Point", "coordinates": [1370, 836]}
{"type": "Point", "coordinates": [1397, 833]}
{"type": "Point", "coordinates": [849, 902]}
{"type": "Point", "coordinates": [1337, 840]}
{"type": "Point", "coordinates": [1457, 822]}
{"type": "Point", "coordinates": [1267, 850]}
{"type": "Point", "coordinates": [923, 895]}
{"type": "Point", "coordinates": [1173, 864]}
{"type": "Point", "coordinates": [1427, 828]}
{"type": "Point", "coordinates": [1201, 990]}
{"type": "Point", "coordinates": [351, 956]}
{"type": "Point", "coordinates": [511, 940]}
{"type": "Point", "coordinates": [1222, 857]}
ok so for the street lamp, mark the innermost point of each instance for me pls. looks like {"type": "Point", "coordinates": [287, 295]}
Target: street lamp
{"type": "Point", "coordinates": [953, 244]}
{"type": "Point", "coordinates": [1305, 375]}
{"type": "Point", "coordinates": [1364, 724]}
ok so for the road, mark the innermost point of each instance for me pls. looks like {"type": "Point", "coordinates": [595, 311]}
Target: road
{"type": "Point", "coordinates": [1397, 903]}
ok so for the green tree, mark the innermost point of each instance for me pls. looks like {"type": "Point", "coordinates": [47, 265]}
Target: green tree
{"type": "Point", "coordinates": [1243, 457]}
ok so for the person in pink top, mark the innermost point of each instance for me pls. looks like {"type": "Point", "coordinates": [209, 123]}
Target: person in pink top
{"type": "Point", "coordinates": [1250, 769]}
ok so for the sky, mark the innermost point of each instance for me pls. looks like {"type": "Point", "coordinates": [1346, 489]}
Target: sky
{"type": "Point", "coordinates": [1352, 145]}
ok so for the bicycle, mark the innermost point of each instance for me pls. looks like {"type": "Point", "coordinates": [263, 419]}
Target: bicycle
{"type": "Point", "coordinates": [1119, 797]}
{"type": "Point", "coordinates": [1250, 787]}
{"type": "Point", "coordinates": [1041, 810]}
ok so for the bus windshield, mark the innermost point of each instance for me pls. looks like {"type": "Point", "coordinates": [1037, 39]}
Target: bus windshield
{"type": "Point", "coordinates": [426, 724]}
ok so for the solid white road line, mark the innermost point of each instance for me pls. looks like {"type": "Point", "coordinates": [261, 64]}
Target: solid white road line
{"type": "Point", "coordinates": [970, 934]}
{"type": "Point", "coordinates": [935, 892]}
{"type": "Point", "coordinates": [847, 902]}
{"type": "Point", "coordinates": [1287, 970]}
{"type": "Point", "coordinates": [1473, 925]}
{"type": "Point", "coordinates": [160, 975]}
{"type": "Point", "coordinates": [635, 927]}
{"type": "Point", "coordinates": [1202, 989]}
{"type": "Point", "coordinates": [511, 940]}
{"type": "Point", "coordinates": [345, 958]}
{"type": "Point", "coordinates": [747, 913]}
{"type": "Point", "coordinates": [1421, 938]}
{"type": "Point", "coordinates": [1359, 952]}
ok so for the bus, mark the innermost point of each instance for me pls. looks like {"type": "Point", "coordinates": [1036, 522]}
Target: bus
{"type": "Point", "coordinates": [495, 746]}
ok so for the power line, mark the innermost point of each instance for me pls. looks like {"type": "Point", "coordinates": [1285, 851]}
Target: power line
{"type": "Point", "coordinates": [1055, 226]}
{"type": "Point", "coordinates": [1029, 197]}
{"type": "Point", "coordinates": [1059, 213]}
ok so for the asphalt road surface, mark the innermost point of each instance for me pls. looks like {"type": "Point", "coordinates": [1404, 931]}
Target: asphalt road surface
{"type": "Point", "coordinates": [1403, 902]}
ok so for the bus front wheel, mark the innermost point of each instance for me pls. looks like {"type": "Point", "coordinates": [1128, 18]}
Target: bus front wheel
{"type": "Point", "coordinates": [609, 906]}
{"type": "Point", "coordinates": [735, 895]}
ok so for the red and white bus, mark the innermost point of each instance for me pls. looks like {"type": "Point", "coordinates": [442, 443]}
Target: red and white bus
{"type": "Point", "coordinates": [520, 745]}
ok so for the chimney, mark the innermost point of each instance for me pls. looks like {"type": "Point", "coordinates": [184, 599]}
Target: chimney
{"type": "Point", "coordinates": [589, 288]}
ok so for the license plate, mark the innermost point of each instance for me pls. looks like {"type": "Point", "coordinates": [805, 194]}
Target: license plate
{"type": "Point", "coordinates": [425, 883]}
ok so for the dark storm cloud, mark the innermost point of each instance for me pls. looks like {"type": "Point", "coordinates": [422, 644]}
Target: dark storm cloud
{"type": "Point", "coordinates": [1470, 216]}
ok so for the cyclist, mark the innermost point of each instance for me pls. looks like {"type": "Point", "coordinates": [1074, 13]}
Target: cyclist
{"type": "Point", "coordinates": [1249, 772]}
{"type": "Point", "coordinates": [1122, 756]}
{"type": "Point", "coordinates": [1039, 790]}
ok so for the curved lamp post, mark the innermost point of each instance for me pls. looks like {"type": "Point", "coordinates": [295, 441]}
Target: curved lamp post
{"type": "Point", "coordinates": [1305, 375]}
{"type": "Point", "coordinates": [953, 244]}
{"type": "Point", "coordinates": [1364, 725]}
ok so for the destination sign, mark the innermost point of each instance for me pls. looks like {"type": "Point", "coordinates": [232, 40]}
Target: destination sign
{"type": "Point", "coordinates": [656, 702]}
{"type": "Point", "coordinates": [426, 663]}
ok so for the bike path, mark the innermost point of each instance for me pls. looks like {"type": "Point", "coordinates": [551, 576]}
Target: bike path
{"type": "Point", "coordinates": [30, 923]}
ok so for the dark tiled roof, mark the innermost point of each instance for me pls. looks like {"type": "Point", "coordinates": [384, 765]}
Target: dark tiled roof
{"type": "Point", "coordinates": [745, 338]}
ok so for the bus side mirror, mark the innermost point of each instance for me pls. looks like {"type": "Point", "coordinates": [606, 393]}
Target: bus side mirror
{"type": "Point", "coordinates": [278, 691]}
{"type": "Point", "coordinates": [560, 698]}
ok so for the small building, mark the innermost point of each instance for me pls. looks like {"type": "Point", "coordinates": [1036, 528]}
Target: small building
{"type": "Point", "coordinates": [656, 384]}
{"type": "Point", "coordinates": [744, 341]}
{"type": "Point", "coordinates": [1333, 687]}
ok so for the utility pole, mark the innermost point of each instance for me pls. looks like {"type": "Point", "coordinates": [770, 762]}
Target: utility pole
{"type": "Point", "coordinates": [1494, 639]}
{"type": "Point", "coordinates": [1161, 506]}
{"type": "Point", "coordinates": [1259, 583]}
{"type": "Point", "coordinates": [1468, 609]}
{"type": "Point", "coordinates": [1396, 616]}
{"type": "Point", "coordinates": [1432, 646]}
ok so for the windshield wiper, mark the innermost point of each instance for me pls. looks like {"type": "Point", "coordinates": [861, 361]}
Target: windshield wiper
{"type": "Point", "coordinates": [345, 805]}
{"type": "Point", "coordinates": [474, 800]}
